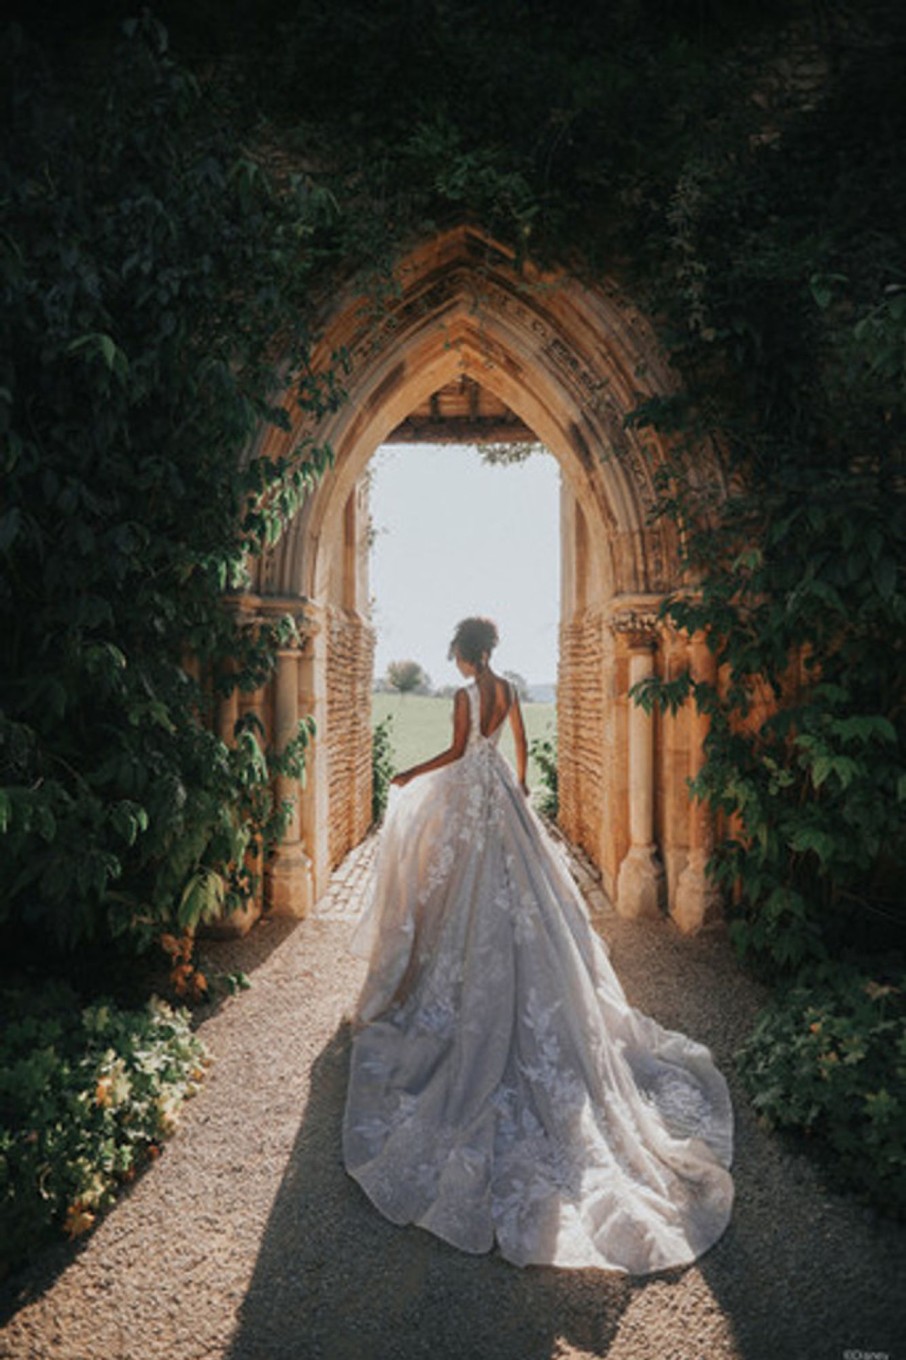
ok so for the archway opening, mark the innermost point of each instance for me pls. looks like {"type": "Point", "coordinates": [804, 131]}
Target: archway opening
{"type": "Point", "coordinates": [567, 361]}
{"type": "Point", "coordinates": [453, 534]}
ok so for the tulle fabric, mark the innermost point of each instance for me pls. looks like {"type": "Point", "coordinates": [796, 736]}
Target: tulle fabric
{"type": "Point", "coordinates": [501, 1087]}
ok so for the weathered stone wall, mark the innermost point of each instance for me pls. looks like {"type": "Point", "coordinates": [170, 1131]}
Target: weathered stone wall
{"type": "Point", "coordinates": [350, 661]}
{"type": "Point", "coordinates": [569, 360]}
{"type": "Point", "coordinates": [584, 719]}
{"type": "Point", "coordinates": [593, 721]}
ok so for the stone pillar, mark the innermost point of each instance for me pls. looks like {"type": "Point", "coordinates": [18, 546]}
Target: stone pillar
{"type": "Point", "coordinates": [288, 876]}
{"type": "Point", "coordinates": [240, 921]}
{"type": "Point", "coordinates": [697, 900]}
{"type": "Point", "coordinates": [314, 800]}
{"type": "Point", "coordinates": [640, 882]}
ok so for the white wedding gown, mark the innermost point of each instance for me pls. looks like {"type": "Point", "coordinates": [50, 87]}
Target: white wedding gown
{"type": "Point", "coordinates": [501, 1087]}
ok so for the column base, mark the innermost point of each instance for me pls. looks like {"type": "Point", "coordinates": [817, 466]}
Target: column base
{"type": "Point", "coordinates": [640, 884]}
{"type": "Point", "coordinates": [287, 884]}
{"type": "Point", "coordinates": [697, 901]}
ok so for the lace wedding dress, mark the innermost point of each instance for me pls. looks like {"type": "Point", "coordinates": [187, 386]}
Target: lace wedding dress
{"type": "Point", "coordinates": [501, 1086]}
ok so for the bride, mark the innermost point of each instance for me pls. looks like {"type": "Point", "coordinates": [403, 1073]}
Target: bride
{"type": "Point", "coordinates": [502, 1089]}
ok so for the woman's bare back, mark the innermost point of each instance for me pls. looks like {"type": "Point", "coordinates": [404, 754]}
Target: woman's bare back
{"type": "Point", "coordinates": [496, 700]}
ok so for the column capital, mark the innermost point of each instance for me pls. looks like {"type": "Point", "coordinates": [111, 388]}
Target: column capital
{"type": "Point", "coordinates": [253, 611]}
{"type": "Point", "coordinates": [639, 626]}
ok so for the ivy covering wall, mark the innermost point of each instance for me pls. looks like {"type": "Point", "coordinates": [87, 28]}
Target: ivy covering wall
{"type": "Point", "coordinates": [173, 212]}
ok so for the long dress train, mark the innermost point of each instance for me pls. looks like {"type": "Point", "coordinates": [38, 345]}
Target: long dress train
{"type": "Point", "coordinates": [501, 1087]}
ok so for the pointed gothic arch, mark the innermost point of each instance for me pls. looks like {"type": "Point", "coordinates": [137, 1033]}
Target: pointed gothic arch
{"type": "Point", "coordinates": [571, 360]}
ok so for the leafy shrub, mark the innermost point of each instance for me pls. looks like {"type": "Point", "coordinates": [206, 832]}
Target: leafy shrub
{"type": "Point", "coordinates": [85, 1100]}
{"type": "Point", "coordinates": [383, 767]}
{"type": "Point", "coordinates": [543, 750]}
{"type": "Point", "coordinates": [828, 1059]}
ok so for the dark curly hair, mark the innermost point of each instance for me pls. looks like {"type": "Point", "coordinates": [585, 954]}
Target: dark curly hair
{"type": "Point", "coordinates": [473, 639]}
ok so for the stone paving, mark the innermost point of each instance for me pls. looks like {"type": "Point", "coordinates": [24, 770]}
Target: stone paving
{"type": "Point", "coordinates": [345, 898]}
{"type": "Point", "coordinates": [246, 1240]}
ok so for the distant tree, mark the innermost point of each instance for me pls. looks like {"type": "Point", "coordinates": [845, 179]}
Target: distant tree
{"type": "Point", "coordinates": [519, 683]}
{"type": "Point", "coordinates": [407, 677]}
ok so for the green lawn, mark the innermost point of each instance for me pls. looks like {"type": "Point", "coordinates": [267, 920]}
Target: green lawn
{"type": "Point", "coordinates": [423, 726]}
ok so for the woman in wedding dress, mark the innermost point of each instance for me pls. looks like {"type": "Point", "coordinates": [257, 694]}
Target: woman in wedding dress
{"type": "Point", "coordinates": [502, 1089]}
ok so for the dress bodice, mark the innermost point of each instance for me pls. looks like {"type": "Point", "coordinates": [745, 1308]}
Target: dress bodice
{"type": "Point", "coordinates": [476, 736]}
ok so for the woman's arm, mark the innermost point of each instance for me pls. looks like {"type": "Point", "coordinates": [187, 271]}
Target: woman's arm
{"type": "Point", "coordinates": [521, 745]}
{"type": "Point", "coordinates": [453, 751]}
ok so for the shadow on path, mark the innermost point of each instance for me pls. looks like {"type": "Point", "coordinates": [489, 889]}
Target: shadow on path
{"type": "Point", "coordinates": [349, 1285]}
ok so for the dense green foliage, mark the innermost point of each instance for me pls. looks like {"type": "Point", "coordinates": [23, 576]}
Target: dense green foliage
{"type": "Point", "coordinates": [85, 1100]}
{"type": "Point", "coordinates": [739, 168]}
{"type": "Point", "coordinates": [828, 1059]}
{"type": "Point", "coordinates": [795, 351]}
{"type": "Point", "coordinates": [147, 265]}
{"type": "Point", "coordinates": [757, 212]}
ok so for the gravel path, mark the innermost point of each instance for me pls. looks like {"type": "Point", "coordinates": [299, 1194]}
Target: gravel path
{"type": "Point", "coordinates": [247, 1241]}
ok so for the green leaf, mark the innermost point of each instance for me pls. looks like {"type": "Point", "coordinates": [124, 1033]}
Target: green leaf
{"type": "Point", "coordinates": [98, 342]}
{"type": "Point", "coordinates": [822, 290]}
{"type": "Point", "coordinates": [821, 769]}
{"type": "Point", "coordinates": [812, 838]}
{"type": "Point", "coordinates": [202, 898]}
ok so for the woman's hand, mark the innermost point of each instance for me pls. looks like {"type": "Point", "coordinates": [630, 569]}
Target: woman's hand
{"type": "Point", "coordinates": [453, 751]}
{"type": "Point", "coordinates": [525, 788]}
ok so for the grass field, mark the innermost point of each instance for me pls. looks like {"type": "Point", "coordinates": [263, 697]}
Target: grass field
{"type": "Point", "coordinates": [423, 726]}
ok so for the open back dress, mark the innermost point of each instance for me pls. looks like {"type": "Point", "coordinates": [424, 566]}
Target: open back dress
{"type": "Point", "coordinates": [502, 1090]}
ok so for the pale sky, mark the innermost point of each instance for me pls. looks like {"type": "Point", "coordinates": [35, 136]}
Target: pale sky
{"type": "Point", "coordinates": [456, 537]}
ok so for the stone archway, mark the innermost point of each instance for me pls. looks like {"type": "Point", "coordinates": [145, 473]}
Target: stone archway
{"type": "Point", "coordinates": [570, 360]}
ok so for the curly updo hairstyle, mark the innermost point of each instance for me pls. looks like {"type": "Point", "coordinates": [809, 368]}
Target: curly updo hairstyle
{"type": "Point", "coordinates": [474, 640]}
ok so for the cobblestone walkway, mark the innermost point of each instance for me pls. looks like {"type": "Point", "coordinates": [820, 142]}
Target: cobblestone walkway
{"type": "Point", "coordinates": [345, 897]}
{"type": "Point", "coordinates": [246, 1240]}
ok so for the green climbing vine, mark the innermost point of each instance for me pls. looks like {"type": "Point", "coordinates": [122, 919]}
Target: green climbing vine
{"type": "Point", "coordinates": [173, 215]}
{"type": "Point", "coordinates": [150, 264]}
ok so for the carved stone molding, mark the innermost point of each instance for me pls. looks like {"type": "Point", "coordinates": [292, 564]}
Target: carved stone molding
{"type": "Point", "coordinates": [252, 611]}
{"type": "Point", "coordinates": [640, 627]}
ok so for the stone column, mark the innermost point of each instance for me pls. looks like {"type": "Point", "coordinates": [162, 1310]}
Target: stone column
{"type": "Point", "coordinates": [640, 882]}
{"type": "Point", "coordinates": [314, 802]}
{"type": "Point", "coordinates": [288, 876]}
{"type": "Point", "coordinates": [240, 921]}
{"type": "Point", "coordinates": [697, 900]}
